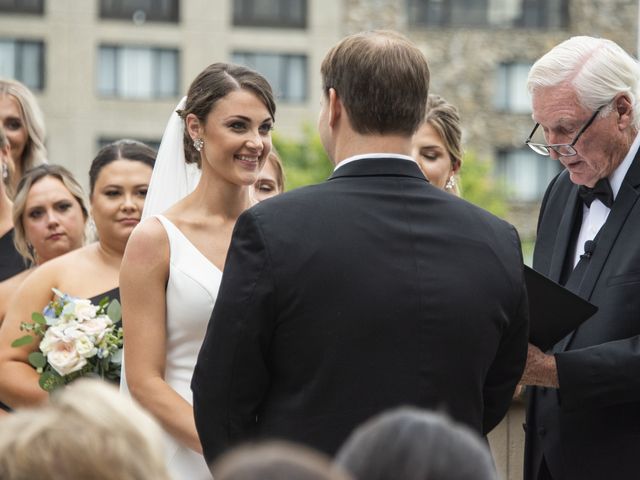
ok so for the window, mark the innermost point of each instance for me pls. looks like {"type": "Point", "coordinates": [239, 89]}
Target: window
{"type": "Point", "coordinates": [489, 13]}
{"type": "Point", "coordinates": [270, 13]}
{"type": "Point", "coordinates": [24, 61]}
{"type": "Point", "coordinates": [35, 7]}
{"type": "Point", "coordinates": [138, 72]}
{"type": "Point", "coordinates": [526, 174]}
{"type": "Point", "coordinates": [511, 93]}
{"type": "Point", "coordinates": [286, 73]}
{"type": "Point", "coordinates": [141, 10]}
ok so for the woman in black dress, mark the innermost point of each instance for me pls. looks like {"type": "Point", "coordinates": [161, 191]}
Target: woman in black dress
{"type": "Point", "coordinates": [11, 262]}
{"type": "Point", "coordinates": [49, 216]}
{"type": "Point", "coordinates": [119, 178]}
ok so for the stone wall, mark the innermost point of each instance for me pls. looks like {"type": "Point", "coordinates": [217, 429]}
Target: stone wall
{"type": "Point", "coordinates": [463, 64]}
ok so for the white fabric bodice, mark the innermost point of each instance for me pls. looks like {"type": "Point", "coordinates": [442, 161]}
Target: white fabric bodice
{"type": "Point", "coordinates": [192, 288]}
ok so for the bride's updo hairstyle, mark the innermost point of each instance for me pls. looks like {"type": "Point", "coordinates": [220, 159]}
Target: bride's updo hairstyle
{"type": "Point", "coordinates": [214, 83]}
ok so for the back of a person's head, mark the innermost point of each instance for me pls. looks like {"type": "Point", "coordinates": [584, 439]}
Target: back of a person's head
{"type": "Point", "coordinates": [412, 444]}
{"type": "Point", "coordinates": [276, 461]}
{"type": "Point", "coordinates": [87, 431]}
{"type": "Point", "coordinates": [382, 80]}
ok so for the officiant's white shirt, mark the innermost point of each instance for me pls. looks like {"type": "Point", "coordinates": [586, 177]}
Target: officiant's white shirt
{"type": "Point", "coordinates": [593, 218]}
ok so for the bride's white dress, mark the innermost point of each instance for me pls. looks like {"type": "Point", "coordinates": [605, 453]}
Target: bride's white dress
{"type": "Point", "coordinates": [192, 289]}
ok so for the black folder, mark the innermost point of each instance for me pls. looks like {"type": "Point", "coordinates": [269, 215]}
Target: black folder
{"type": "Point", "coordinates": [554, 311]}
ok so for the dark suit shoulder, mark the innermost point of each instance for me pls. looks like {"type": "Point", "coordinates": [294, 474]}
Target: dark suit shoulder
{"type": "Point", "coordinates": [557, 190]}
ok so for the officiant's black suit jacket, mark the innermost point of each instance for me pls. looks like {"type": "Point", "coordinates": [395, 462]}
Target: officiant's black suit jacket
{"type": "Point", "coordinates": [340, 300]}
{"type": "Point", "coordinates": [590, 427]}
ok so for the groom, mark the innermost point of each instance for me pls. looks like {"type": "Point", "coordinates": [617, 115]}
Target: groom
{"type": "Point", "coordinates": [372, 290]}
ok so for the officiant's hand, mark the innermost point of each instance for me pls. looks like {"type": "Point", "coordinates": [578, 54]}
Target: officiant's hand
{"type": "Point", "coordinates": [540, 370]}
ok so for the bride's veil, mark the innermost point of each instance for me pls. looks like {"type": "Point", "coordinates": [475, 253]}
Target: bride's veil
{"type": "Point", "coordinates": [172, 178]}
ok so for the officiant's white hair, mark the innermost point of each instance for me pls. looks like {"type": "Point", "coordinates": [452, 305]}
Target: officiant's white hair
{"type": "Point", "coordinates": [87, 431]}
{"type": "Point", "coordinates": [597, 68]}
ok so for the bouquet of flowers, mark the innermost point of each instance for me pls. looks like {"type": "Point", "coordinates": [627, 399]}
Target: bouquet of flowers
{"type": "Point", "coordinates": [78, 339]}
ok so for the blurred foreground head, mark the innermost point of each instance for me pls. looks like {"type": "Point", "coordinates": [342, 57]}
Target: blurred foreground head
{"type": "Point", "coordinates": [413, 444]}
{"type": "Point", "coordinates": [86, 431]}
{"type": "Point", "coordinates": [276, 461]}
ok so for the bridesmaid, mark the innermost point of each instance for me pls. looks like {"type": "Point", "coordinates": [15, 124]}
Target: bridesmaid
{"type": "Point", "coordinates": [271, 179]}
{"type": "Point", "coordinates": [119, 178]}
{"type": "Point", "coordinates": [49, 218]}
{"type": "Point", "coordinates": [437, 145]}
{"type": "Point", "coordinates": [22, 119]}
{"type": "Point", "coordinates": [11, 262]}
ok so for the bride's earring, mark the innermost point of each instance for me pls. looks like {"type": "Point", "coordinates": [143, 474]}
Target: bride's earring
{"type": "Point", "coordinates": [451, 183]}
{"type": "Point", "coordinates": [5, 171]}
{"type": "Point", "coordinates": [198, 143]}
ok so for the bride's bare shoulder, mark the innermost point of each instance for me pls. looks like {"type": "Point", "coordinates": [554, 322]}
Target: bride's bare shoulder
{"type": "Point", "coordinates": [148, 242]}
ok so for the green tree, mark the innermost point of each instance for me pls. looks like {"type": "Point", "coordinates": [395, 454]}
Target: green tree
{"type": "Point", "coordinates": [305, 161]}
{"type": "Point", "coordinates": [479, 186]}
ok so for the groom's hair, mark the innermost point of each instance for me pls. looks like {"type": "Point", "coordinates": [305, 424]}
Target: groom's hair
{"type": "Point", "coordinates": [214, 83]}
{"type": "Point", "coordinates": [381, 78]}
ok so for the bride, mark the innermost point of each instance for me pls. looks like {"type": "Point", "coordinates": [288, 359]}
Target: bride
{"type": "Point", "coordinates": [173, 262]}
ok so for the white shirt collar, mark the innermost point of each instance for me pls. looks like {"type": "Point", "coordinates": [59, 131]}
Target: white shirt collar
{"type": "Point", "coordinates": [373, 156]}
{"type": "Point", "coordinates": [615, 179]}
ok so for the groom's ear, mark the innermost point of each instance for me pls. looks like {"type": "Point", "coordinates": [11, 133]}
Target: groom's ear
{"type": "Point", "coordinates": [335, 107]}
{"type": "Point", "coordinates": [194, 126]}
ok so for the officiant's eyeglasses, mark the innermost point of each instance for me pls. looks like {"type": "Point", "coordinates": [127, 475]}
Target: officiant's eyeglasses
{"type": "Point", "coordinates": [562, 149]}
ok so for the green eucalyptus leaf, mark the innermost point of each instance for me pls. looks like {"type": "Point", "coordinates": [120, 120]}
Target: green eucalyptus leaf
{"type": "Point", "coordinates": [37, 359]}
{"type": "Point", "coordinates": [50, 381]}
{"type": "Point", "coordinates": [20, 342]}
{"type": "Point", "coordinates": [38, 318]}
{"type": "Point", "coordinates": [114, 311]}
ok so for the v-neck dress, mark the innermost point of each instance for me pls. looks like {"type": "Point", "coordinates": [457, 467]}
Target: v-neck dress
{"type": "Point", "coordinates": [191, 293]}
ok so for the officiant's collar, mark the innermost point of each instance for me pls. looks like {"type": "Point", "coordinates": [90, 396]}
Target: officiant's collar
{"type": "Point", "coordinates": [373, 156]}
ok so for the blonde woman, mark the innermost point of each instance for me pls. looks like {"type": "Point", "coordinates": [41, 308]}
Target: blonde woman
{"type": "Point", "coordinates": [87, 431]}
{"type": "Point", "coordinates": [22, 119]}
{"type": "Point", "coordinates": [49, 215]}
{"type": "Point", "coordinates": [437, 145]}
{"type": "Point", "coordinates": [271, 179]}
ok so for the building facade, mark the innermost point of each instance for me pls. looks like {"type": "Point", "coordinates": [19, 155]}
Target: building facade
{"type": "Point", "coordinates": [109, 69]}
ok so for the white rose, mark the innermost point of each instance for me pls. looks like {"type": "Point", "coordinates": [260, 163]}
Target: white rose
{"type": "Point", "coordinates": [84, 310]}
{"type": "Point", "coordinates": [96, 327]}
{"type": "Point", "coordinates": [85, 347]}
{"type": "Point", "coordinates": [52, 337]}
{"type": "Point", "coordinates": [65, 359]}
{"type": "Point", "coordinates": [71, 331]}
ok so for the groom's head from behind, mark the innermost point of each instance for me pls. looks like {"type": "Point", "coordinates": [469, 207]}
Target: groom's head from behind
{"type": "Point", "coordinates": [380, 80]}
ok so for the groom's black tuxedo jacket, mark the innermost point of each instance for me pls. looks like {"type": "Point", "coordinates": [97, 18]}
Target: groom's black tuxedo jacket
{"type": "Point", "coordinates": [590, 427]}
{"type": "Point", "coordinates": [340, 300]}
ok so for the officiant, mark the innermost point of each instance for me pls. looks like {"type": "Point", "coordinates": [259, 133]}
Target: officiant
{"type": "Point", "coordinates": [583, 418]}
